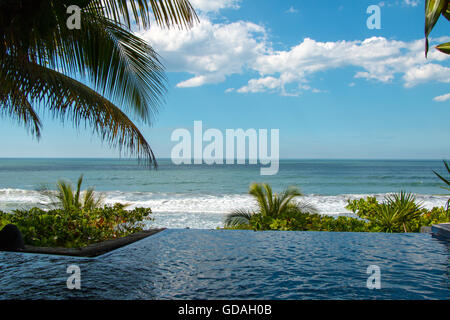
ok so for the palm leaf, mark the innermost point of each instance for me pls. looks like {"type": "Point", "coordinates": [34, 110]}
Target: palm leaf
{"type": "Point", "coordinates": [441, 177]}
{"type": "Point", "coordinates": [166, 12]}
{"type": "Point", "coordinates": [16, 106]}
{"type": "Point", "coordinates": [257, 191]}
{"type": "Point", "coordinates": [444, 47]}
{"type": "Point", "coordinates": [433, 10]}
{"type": "Point", "coordinates": [67, 98]}
{"type": "Point", "coordinates": [104, 53]}
{"type": "Point", "coordinates": [287, 196]}
{"type": "Point", "coordinates": [238, 218]}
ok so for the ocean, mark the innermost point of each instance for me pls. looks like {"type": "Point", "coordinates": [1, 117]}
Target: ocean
{"type": "Point", "coordinates": [199, 196]}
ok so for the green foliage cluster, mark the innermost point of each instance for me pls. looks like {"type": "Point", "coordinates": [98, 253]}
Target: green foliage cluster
{"type": "Point", "coordinates": [281, 212]}
{"type": "Point", "coordinates": [302, 221]}
{"type": "Point", "coordinates": [75, 227]}
{"type": "Point", "coordinates": [397, 213]}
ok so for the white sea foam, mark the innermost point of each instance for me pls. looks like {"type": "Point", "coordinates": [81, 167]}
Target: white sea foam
{"type": "Point", "coordinates": [198, 211]}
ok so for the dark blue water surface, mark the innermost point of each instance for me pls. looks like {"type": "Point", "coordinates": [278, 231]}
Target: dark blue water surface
{"type": "Point", "coordinates": [219, 264]}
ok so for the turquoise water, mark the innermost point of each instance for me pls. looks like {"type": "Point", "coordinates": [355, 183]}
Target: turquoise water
{"type": "Point", "coordinates": [198, 196]}
{"type": "Point", "coordinates": [214, 264]}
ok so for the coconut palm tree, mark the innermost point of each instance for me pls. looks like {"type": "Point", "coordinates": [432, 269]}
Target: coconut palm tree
{"type": "Point", "coordinates": [269, 204]}
{"type": "Point", "coordinates": [43, 65]}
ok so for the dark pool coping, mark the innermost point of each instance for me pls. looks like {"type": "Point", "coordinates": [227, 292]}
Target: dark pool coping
{"type": "Point", "coordinates": [441, 230]}
{"type": "Point", "coordinates": [92, 250]}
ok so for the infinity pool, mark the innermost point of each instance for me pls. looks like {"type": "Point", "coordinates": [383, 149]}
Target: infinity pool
{"type": "Point", "coordinates": [218, 264]}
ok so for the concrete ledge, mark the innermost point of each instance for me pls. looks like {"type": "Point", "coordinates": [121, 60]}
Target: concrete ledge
{"type": "Point", "coordinates": [93, 250]}
{"type": "Point", "coordinates": [441, 230]}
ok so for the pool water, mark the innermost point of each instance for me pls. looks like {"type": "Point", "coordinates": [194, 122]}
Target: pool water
{"type": "Point", "coordinates": [220, 264]}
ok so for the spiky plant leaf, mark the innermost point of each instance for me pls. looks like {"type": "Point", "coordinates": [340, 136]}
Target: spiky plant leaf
{"type": "Point", "coordinates": [444, 47]}
{"type": "Point", "coordinates": [433, 10]}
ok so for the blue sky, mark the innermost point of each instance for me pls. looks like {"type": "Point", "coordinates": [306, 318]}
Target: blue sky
{"type": "Point", "coordinates": [312, 69]}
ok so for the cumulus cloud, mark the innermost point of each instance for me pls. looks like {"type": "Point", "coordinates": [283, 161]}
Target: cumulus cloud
{"type": "Point", "coordinates": [210, 52]}
{"type": "Point", "coordinates": [378, 58]}
{"type": "Point", "coordinates": [442, 98]}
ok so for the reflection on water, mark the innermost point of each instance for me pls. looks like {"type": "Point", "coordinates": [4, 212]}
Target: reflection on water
{"type": "Point", "coordinates": [215, 264]}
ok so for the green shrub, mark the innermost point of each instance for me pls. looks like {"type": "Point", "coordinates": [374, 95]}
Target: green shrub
{"type": "Point", "coordinates": [4, 219]}
{"type": "Point", "coordinates": [76, 227]}
{"type": "Point", "coordinates": [397, 213]}
{"type": "Point", "coordinates": [303, 221]}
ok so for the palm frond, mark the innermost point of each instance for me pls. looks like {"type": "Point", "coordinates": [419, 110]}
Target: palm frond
{"type": "Point", "coordinates": [257, 191]}
{"type": "Point", "coordinates": [91, 200]}
{"type": "Point", "coordinates": [120, 65]}
{"type": "Point", "coordinates": [287, 196]}
{"type": "Point", "coordinates": [305, 207]}
{"type": "Point", "coordinates": [446, 181]}
{"type": "Point", "coordinates": [104, 53]}
{"type": "Point", "coordinates": [67, 98]}
{"type": "Point", "coordinates": [166, 12]}
{"type": "Point", "coordinates": [16, 106]}
{"type": "Point", "coordinates": [238, 218]}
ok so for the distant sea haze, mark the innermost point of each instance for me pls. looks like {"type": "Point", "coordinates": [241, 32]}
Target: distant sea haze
{"type": "Point", "coordinates": [198, 196]}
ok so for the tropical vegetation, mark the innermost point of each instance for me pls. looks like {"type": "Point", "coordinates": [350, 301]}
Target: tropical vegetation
{"type": "Point", "coordinates": [283, 212]}
{"type": "Point", "coordinates": [90, 76]}
{"type": "Point", "coordinates": [398, 212]}
{"type": "Point", "coordinates": [76, 219]}
{"type": "Point", "coordinates": [75, 227]}
{"type": "Point", "coordinates": [433, 11]}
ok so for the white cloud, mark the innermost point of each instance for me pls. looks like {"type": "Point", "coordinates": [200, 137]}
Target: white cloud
{"type": "Point", "coordinates": [291, 10]}
{"type": "Point", "coordinates": [412, 3]}
{"type": "Point", "coordinates": [261, 85]}
{"type": "Point", "coordinates": [378, 58]}
{"type": "Point", "coordinates": [211, 52]}
{"type": "Point", "coordinates": [214, 5]}
{"type": "Point", "coordinates": [442, 98]}
{"type": "Point", "coordinates": [425, 73]}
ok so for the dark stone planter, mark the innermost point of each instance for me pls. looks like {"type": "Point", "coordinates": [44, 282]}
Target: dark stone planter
{"type": "Point", "coordinates": [93, 250]}
{"type": "Point", "coordinates": [11, 238]}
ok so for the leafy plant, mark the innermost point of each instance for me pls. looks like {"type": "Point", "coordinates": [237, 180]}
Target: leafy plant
{"type": "Point", "coordinates": [270, 205]}
{"type": "Point", "coordinates": [77, 227]}
{"type": "Point", "coordinates": [404, 208]}
{"type": "Point", "coordinates": [40, 56]}
{"type": "Point", "coordinates": [446, 181]}
{"type": "Point", "coordinates": [67, 198]}
{"type": "Point", "coordinates": [397, 213]}
{"type": "Point", "coordinates": [433, 10]}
